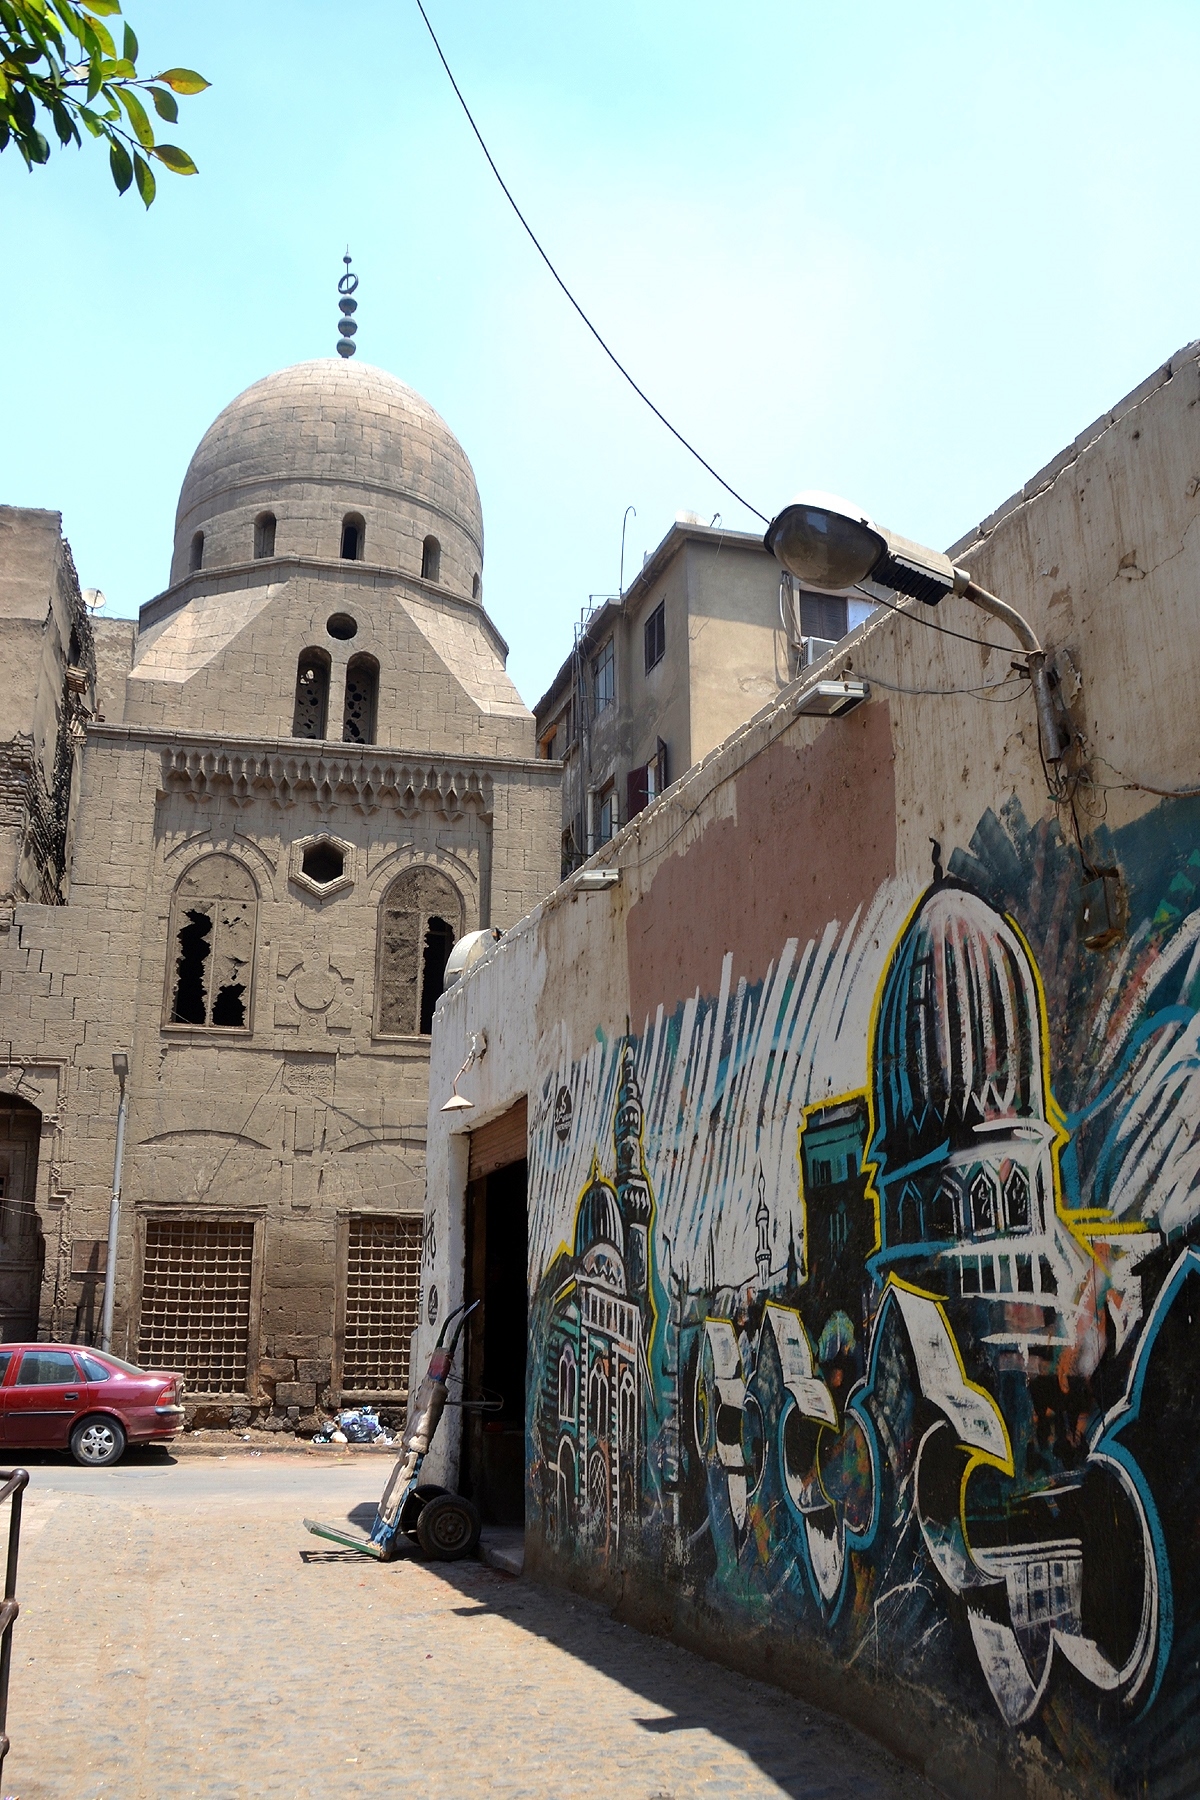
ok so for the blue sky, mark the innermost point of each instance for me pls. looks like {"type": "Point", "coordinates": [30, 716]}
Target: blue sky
{"type": "Point", "coordinates": [905, 253]}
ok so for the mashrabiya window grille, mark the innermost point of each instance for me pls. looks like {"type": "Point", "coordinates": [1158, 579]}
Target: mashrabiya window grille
{"type": "Point", "coordinates": [383, 1290]}
{"type": "Point", "coordinates": [211, 959]}
{"type": "Point", "coordinates": [419, 921]}
{"type": "Point", "coordinates": [195, 1314]}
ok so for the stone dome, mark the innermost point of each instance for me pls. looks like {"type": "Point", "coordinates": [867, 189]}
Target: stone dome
{"type": "Point", "coordinates": [958, 1037]}
{"type": "Point", "coordinates": [322, 446]}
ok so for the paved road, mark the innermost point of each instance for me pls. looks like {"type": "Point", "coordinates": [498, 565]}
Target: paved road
{"type": "Point", "coordinates": [180, 1634]}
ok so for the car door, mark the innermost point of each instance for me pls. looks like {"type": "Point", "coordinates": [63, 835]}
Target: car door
{"type": "Point", "coordinates": [43, 1400]}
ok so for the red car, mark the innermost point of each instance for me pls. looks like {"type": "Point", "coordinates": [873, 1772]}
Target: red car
{"type": "Point", "coordinates": [67, 1396]}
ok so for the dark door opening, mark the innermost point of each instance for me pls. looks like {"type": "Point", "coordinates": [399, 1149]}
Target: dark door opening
{"type": "Point", "coordinates": [493, 1444]}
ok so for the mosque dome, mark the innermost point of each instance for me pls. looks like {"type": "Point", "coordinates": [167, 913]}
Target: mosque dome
{"type": "Point", "coordinates": [598, 1220]}
{"type": "Point", "coordinates": [958, 1035]}
{"type": "Point", "coordinates": [331, 459]}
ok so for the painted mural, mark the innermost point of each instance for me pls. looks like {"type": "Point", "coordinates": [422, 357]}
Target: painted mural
{"type": "Point", "coordinates": [865, 1296]}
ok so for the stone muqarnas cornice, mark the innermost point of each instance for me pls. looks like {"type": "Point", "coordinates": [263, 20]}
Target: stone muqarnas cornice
{"type": "Point", "coordinates": [327, 778]}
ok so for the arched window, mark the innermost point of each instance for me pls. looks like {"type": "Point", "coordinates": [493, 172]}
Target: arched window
{"type": "Point", "coordinates": [568, 1382]}
{"type": "Point", "coordinates": [196, 555]}
{"type": "Point", "coordinates": [354, 534]}
{"type": "Point", "coordinates": [431, 560]}
{"type": "Point", "coordinates": [474, 587]}
{"type": "Point", "coordinates": [362, 698]}
{"type": "Point", "coordinates": [419, 921]}
{"type": "Point", "coordinates": [210, 962]}
{"type": "Point", "coordinates": [598, 1399]}
{"type": "Point", "coordinates": [264, 534]}
{"type": "Point", "coordinates": [628, 1411]}
{"type": "Point", "coordinates": [312, 694]}
{"type": "Point", "coordinates": [984, 1220]}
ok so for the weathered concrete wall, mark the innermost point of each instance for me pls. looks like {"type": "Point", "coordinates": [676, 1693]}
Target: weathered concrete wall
{"type": "Point", "coordinates": [864, 1212]}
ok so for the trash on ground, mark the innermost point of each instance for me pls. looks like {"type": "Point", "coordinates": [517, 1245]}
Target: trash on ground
{"type": "Point", "coordinates": [354, 1425]}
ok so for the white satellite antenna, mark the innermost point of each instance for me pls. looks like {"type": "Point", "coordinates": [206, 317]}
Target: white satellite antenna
{"type": "Point", "coordinates": [93, 599]}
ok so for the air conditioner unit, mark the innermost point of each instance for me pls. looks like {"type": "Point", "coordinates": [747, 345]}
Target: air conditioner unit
{"type": "Point", "coordinates": [831, 699]}
{"type": "Point", "coordinates": [815, 650]}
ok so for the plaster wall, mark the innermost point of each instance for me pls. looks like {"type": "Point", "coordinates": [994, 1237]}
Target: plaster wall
{"type": "Point", "coordinates": [864, 1222]}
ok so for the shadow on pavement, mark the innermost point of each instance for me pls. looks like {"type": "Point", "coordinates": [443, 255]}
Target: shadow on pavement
{"type": "Point", "coordinates": [137, 1456]}
{"type": "Point", "coordinates": [807, 1753]}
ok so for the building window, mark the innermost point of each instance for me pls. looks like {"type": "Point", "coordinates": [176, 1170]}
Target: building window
{"type": "Point", "coordinates": [211, 958]}
{"type": "Point", "coordinates": [1016, 1200]}
{"type": "Point", "coordinates": [474, 587]}
{"type": "Point", "coordinates": [647, 782]}
{"type": "Point", "coordinates": [264, 535]}
{"type": "Point", "coordinates": [823, 616]}
{"type": "Point", "coordinates": [605, 672]}
{"type": "Point", "coordinates": [354, 534]}
{"type": "Point", "coordinates": [605, 803]}
{"type": "Point", "coordinates": [195, 1313]}
{"type": "Point", "coordinates": [431, 560]}
{"type": "Point", "coordinates": [196, 556]}
{"type": "Point", "coordinates": [598, 1418]}
{"type": "Point", "coordinates": [654, 634]}
{"type": "Point", "coordinates": [362, 698]}
{"type": "Point", "coordinates": [383, 1289]}
{"type": "Point", "coordinates": [568, 1383]}
{"type": "Point", "coordinates": [312, 694]}
{"type": "Point", "coordinates": [983, 1205]}
{"type": "Point", "coordinates": [419, 922]}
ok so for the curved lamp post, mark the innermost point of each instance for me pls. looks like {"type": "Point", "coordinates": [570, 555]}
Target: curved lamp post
{"type": "Point", "coordinates": [829, 543]}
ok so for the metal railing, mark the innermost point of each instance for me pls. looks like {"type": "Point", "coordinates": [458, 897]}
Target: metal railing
{"type": "Point", "coordinates": [15, 1482]}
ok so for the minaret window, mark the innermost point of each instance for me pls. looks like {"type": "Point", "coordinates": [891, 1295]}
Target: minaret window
{"type": "Point", "coordinates": [211, 958]}
{"type": "Point", "coordinates": [312, 695]}
{"type": "Point", "coordinates": [431, 560]}
{"type": "Point", "coordinates": [354, 534]}
{"type": "Point", "coordinates": [362, 697]}
{"type": "Point", "coordinates": [196, 555]}
{"type": "Point", "coordinates": [419, 921]}
{"type": "Point", "coordinates": [264, 534]}
{"type": "Point", "coordinates": [474, 587]}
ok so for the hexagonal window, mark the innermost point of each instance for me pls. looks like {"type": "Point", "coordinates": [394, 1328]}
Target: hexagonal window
{"type": "Point", "coordinates": [323, 862]}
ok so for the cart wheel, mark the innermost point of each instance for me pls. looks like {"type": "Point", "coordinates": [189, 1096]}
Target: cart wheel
{"type": "Point", "coordinates": [415, 1505]}
{"type": "Point", "coordinates": [448, 1528]}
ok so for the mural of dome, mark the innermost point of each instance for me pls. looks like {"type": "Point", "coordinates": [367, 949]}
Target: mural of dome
{"type": "Point", "coordinates": [598, 1220]}
{"type": "Point", "coordinates": [958, 1033]}
{"type": "Point", "coordinates": [317, 445]}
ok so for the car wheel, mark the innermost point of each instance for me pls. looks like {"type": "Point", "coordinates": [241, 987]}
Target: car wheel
{"type": "Point", "coordinates": [97, 1443]}
{"type": "Point", "coordinates": [448, 1528]}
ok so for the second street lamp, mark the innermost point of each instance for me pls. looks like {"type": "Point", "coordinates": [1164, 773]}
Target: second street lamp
{"type": "Point", "coordinates": [830, 544]}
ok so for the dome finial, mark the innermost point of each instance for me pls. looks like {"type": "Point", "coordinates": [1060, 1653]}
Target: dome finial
{"type": "Point", "coordinates": [348, 307]}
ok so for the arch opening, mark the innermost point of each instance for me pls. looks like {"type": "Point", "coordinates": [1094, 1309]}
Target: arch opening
{"type": "Point", "coordinates": [362, 700]}
{"type": "Point", "coordinates": [431, 560]}
{"type": "Point", "coordinates": [264, 535]}
{"type": "Point", "coordinates": [311, 710]}
{"type": "Point", "coordinates": [354, 533]}
{"type": "Point", "coordinates": [196, 553]}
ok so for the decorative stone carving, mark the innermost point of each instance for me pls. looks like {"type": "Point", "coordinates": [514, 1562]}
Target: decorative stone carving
{"type": "Point", "coordinates": [327, 778]}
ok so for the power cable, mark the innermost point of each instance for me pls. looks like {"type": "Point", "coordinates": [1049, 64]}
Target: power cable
{"type": "Point", "coordinates": [919, 618]}
{"type": "Point", "coordinates": [611, 355]}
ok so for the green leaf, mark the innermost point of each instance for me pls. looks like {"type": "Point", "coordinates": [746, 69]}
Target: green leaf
{"type": "Point", "coordinates": [39, 149]}
{"type": "Point", "coordinates": [130, 49]}
{"type": "Point", "coordinates": [165, 105]}
{"type": "Point", "coordinates": [95, 78]}
{"type": "Point", "coordinates": [182, 81]}
{"type": "Point", "coordinates": [144, 176]}
{"type": "Point", "coordinates": [101, 6]}
{"type": "Point", "coordinates": [91, 122]}
{"type": "Point", "coordinates": [119, 163]}
{"type": "Point", "coordinates": [64, 124]}
{"type": "Point", "coordinates": [142, 128]}
{"type": "Point", "coordinates": [174, 158]}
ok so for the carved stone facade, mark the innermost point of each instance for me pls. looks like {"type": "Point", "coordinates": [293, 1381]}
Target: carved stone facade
{"type": "Point", "coordinates": [260, 920]}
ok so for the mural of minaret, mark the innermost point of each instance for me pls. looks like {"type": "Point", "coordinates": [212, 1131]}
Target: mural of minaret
{"type": "Point", "coordinates": [762, 1218]}
{"type": "Point", "coordinates": [633, 1185]}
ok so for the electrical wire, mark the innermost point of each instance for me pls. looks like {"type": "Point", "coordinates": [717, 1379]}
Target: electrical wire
{"type": "Point", "coordinates": [1128, 784]}
{"type": "Point", "coordinates": [919, 618]}
{"type": "Point", "coordinates": [985, 692]}
{"type": "Point", "coordinates": [529, 231]}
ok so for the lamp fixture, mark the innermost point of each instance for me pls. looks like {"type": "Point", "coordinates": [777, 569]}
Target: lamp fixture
{"type": "Point", "coordinates": [591, 881]}
{"type": "Point", "coordinates": [830, 544]}
{"type": "Point", "coordinates": [120, 1064]}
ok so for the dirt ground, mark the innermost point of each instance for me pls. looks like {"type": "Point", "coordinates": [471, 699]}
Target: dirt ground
{"type": "Point", "coordinates": [181, 1634]}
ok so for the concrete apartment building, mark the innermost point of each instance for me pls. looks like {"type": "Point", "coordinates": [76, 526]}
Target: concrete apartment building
{"type": "Point", "coordinates": [269, 809]}
{"type": "Point", "coordinates": [699, 641]}
{"type": "Point", "coordinates": [836, 1158]}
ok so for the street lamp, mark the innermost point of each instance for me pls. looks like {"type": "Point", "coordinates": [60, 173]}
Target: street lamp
{"type": "Point", "coordinates": [829, 543]}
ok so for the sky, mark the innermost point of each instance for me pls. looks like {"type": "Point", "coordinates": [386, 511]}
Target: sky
{"type": "Point", "coordinates": [904, 253]}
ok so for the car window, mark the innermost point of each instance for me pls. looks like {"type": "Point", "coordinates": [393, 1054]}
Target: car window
{"type": "Point", "coordinates": [95, 1371]}
{"type": "Point", "coordinates": [46, 1368]}
{"type": "Point", "coordinates": [116, 1362]}
{"type": "Point", "coordinates": [5, 1359]}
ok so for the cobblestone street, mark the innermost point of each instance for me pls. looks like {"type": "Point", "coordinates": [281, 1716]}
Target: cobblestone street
{"type": "Point", "coordinates": [180, 1634]}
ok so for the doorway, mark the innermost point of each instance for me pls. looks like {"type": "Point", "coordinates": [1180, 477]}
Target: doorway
{"type": "Point", "coordinates": [493, 1442]}
{"type": "Point", "coordinates": [22, 1250]}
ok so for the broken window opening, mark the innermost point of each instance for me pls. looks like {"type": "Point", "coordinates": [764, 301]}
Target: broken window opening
{"type": "Point", "coordinates": [212, 934]}
{"type": "Point", "coordinates": [362, 699]}
{"type": "Point", "coordinates": [312, 695]}
{"type": "Point", "coordinates": [439, 942]}
{"type": "Point", "coordinates": [420, 919]}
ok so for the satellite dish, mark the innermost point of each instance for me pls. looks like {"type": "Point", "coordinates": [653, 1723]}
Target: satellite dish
{"type": "Point", "coordinates": [93, 599]}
